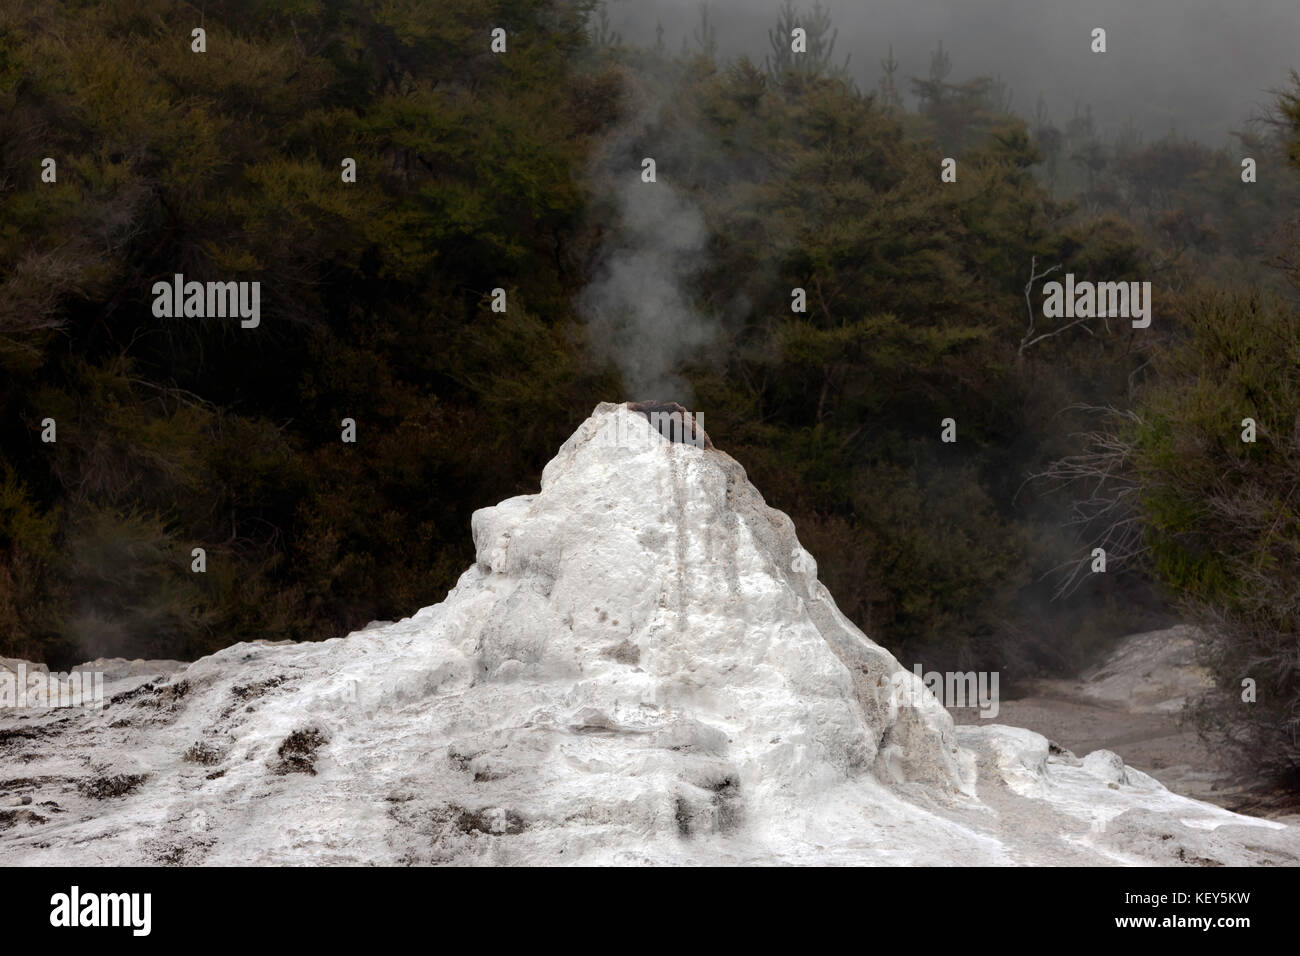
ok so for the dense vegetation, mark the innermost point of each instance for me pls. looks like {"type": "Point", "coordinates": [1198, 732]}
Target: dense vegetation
{"type": "Point", "coordinates": [1222, 515]}
{"type": "Point", "coordinates": [177, 433]}
{"type": "Point", "coordinates": [475, 171]}
{"type": "Point", "coordinates": [1200, 483]}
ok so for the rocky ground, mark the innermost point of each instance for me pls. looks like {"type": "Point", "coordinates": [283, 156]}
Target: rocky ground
{"type": "Point", "coordinates": [1132, 704]}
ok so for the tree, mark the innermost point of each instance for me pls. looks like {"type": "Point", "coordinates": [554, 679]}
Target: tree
{"type": "Point", "coordinates": [817, 60]}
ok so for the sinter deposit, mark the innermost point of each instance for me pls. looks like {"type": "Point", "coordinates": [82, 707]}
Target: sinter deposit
{"type": "Point", "coordinates": [640, 667]}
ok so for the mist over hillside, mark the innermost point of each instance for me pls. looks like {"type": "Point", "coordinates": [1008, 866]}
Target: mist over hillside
{"type": "Point", "coordinates": [1197, 67]}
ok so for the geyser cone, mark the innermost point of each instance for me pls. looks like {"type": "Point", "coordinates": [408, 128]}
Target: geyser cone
{"type": "Point", "coordinates": [640, 666]}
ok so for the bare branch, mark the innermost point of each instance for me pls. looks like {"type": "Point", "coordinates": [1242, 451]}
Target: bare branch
{"type": "Point", "coordinates": [1104, 514]}
{"type": "Point", "coordinates": [1034, 276]}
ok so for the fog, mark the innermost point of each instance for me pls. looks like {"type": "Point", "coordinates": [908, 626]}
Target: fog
{"type": "Point", "coordinates": [1198, 68]}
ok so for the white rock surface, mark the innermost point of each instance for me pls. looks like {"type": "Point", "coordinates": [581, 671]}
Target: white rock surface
{"type": "Point", "coordinates": [641, 667]}
{"type": "Point", "coordinates": [1154, 672]}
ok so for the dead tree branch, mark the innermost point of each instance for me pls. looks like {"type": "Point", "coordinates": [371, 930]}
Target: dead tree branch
{"type": "Point", "coordinates": [1034, 276]}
